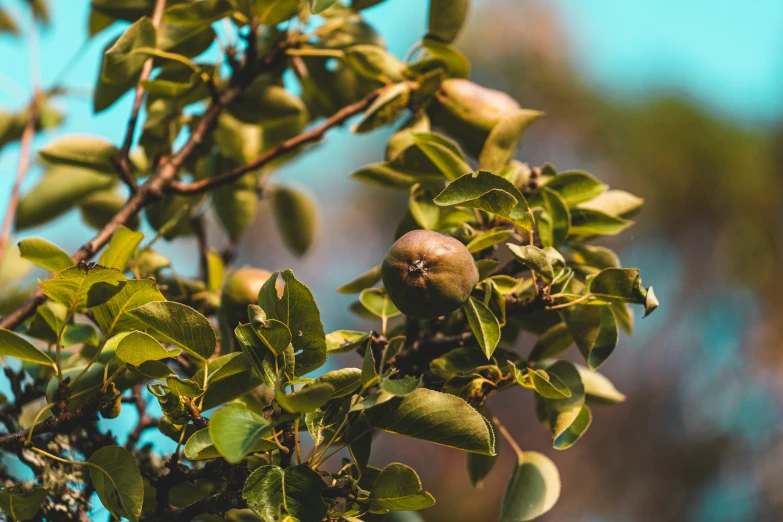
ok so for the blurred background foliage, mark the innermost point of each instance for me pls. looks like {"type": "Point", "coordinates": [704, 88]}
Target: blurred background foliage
{"type": "Point", "coordinates": [699, 436]}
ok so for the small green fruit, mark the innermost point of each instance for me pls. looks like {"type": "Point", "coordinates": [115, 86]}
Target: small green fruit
{"type": "Point", "coordinates": [468, 112]}
{"type": "Point", "coordinates": [241, 289]}
{"type": "Point", "coordinates": [428, 274]}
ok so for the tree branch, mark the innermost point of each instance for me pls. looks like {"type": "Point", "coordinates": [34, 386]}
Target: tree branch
{"type": "Point", "coordinates": [65, 422]}
{"type": "Point", "coordinates": [21, 171]}
{"type": "Point", "coordinates": [311, 136]}
{"type": "Point", "coordinates": [123, 162]}
{"type": "Point", "coordinates": [165, 173]}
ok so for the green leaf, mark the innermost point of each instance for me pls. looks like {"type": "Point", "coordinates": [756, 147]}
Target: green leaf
{"type": "Point", "coordinates": [384, 175]}
{"type": "Point", "coordinates": [504, 138]}
{"type": "Point", "coordinates": [587, 223]}
{"type": "Point", "coordinates": [138, 347]}
{"type": "Point", "coordinates": [483, 324]}
{"type": "Point", "coordinates": [230, 376]}
{"type": "Point", "coordinates": [113, 317]}
{"type": "Point", "coordinates": [273, 12]}
{"type": "Point", "coordinates": [236, 205]}
{"type": "Point", "coordinates": [20, 503]}
{"type": "Point", "coordinates": [366, 280]}
{"type": "Point", "coordinates": [377, 301]}
{"type": "Point", "coordinates": [560, 413]}
{"type": "Point", "coordinates": [400, 387]}
{"type": "Point", "coordinates": [552, 342]}
{"type": "Point", "coordinates": [296, 218]}
{"type": "Point", "coordinates": [151, 262]}
{"type": "Point", "coordinates": [489, 238]}
{"type": "Point", "coordinates": [594, 257]}
{"type": "Point", "coordinates": [624, 285]}
{"type": "Point", "coordinates": [479, 466]}
{"type": "Point", "coordinates": [387, 107]}
{"type": "Point", "coordinates": [533, 489]}
{"type": "Point", "coordinates": [316, 6]}
{"type": "Point", "coordinates": [298, 310]}
{"type": "Point", "coordinates": [199, 13]}
{"type": "Point", "coordinates": [486, 267]}
{"type": "Point", "coordinates": [594, 330]}
{"type": "Point", "coordinates": [216, 270]}
{"type": "Point", "coordinates": [398, 488]}
{"type": "Point", "coordinates": [575, 430]}
{"type": "Point", "coordinates": [615, 203]}
{"type": "Point", "coordinates": [184, 387]}
{"type": "Point", "coordinates": [270, 490]}
{"type": "Point", "coordinates": [374, 63]}
{"type": "Point", "coordinates": [236, 432]}
{"type": "Point", "coordinates": [306, 399]}
{"type": "Point", "coordinates": [486, 191]}
{"type": "Point", "coordinates": [574, 187]}
{"type": "Point", "coordinates": [369, 373]}
{"type": "Point", "coordinates": [14, 345]}
{"type": "Point", "coordinates": [59, 189]}
{"type": "Point", "coordinates": [549, 386]}
{"type": "Point", "coordinates": [120, 63]}
{"type": "Point", "coordinates": [199, 446]}
{"type": "Point", "coordinates": [117, 480]}
{"type": "Point", "coordinates": [442, 56]}
{"type": "Point", "coordinates": [444, 154]}
{"type": "Point", "coordinates": [424, 211]}
{"type": "Point", "coordinates": [345, 381]}
{"type": "Point", "coordinates": [178, 324]}
{"type": "Point", "coordinates": [459, 360]}
{"type": "Point", "coordinates": [45, 254]}
{"type": "Point", "coordinates": [268, 104]}
{"type": "Point", "coordinates": [598, 388]}
{"type": "Point", "coordinates": [535, 259]}
{"type": "Point", "coordinates": [273, 333]}
{"type": "Point", "coordinates": [344, 341]}
{"type": "Point", "coordinates": [554, 230]}
{"type": "Point", "coordinates": [435, 417]}
{"type": "Point", "coordinates": [263, 360]}
{"type": "Point", "coordinates": [121, 248]}
{"type": "Point", "coordinates": [82, 151]}
{"type": "Point", "coordinates": [184, 39]}
{"type": "Point", "coordinates": [80, 287]}
{"type": "Point", "coordinates": [446, 18]}
{"type": "Point", "coordinates": [79, 334]}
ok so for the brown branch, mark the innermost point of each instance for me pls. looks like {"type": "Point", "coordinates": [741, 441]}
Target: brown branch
{"type": "Point", "coordinates": [154, 187]}
{"type": "Point", "coordinates": [65, 422]}
{"type": "Point", "coordinates": [21, 171]}
{"type": "Point", "coordinates": [311, 136]}
{"type": "Point", "coordinates": [123, 162]}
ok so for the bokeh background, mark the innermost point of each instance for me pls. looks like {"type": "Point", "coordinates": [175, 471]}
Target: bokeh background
{"type": "Point", "coordinates": [678, 102]}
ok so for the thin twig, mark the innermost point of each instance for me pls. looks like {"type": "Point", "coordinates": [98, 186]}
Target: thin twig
{"type": "Point", "coordinates": [21, 171]}
{"type": "Point", "coordinates": [311, 136]}
{"type": "Point", "coordinates": [123, 162]}
{"type": "Point", "coordinates": [154, 187]}
{"type": "Point", "coordinates": [502, 429]}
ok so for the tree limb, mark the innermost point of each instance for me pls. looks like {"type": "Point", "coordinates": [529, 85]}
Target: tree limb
{"type": "Point", "coordinates": [311, 136]}
{"type": "Point", "coordinates": [164, 175]}
{"type": "Point", "coordinates": [123, 162]}
{"type": "Point", "coordinates": [21, 171]}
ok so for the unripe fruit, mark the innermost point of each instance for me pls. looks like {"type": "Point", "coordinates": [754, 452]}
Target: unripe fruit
{"type": "Point", "coordinates": [468, 112]}
{"type": "Point", "coordinates": [241, 289]}
{"type": "Point", "coordinates": [428, 274]}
